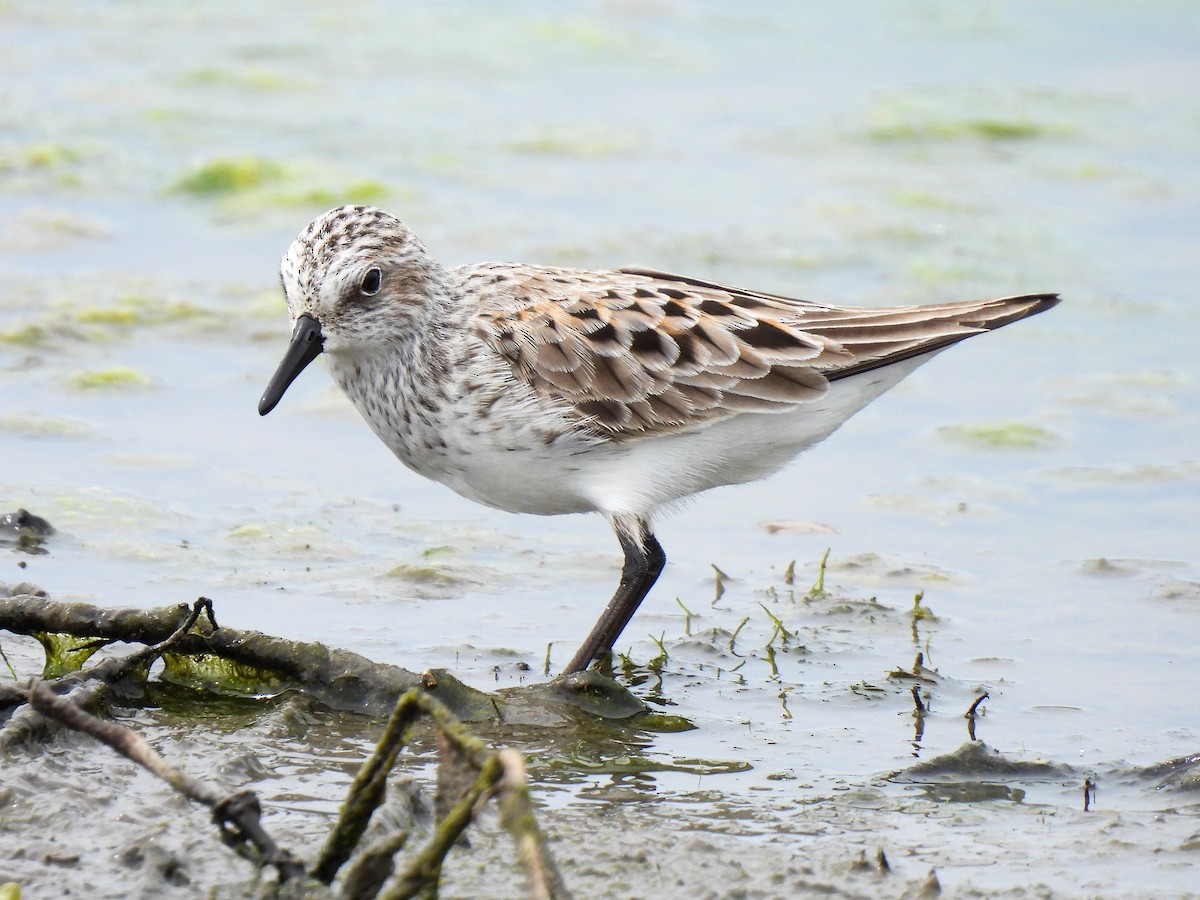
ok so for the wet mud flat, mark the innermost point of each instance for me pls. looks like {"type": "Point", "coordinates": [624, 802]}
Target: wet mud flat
{"type": "Point", "coordinates": [623, 812]}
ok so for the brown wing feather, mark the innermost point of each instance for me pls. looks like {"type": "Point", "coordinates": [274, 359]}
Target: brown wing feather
{"type": "Point", "coordinates": [641, 352]}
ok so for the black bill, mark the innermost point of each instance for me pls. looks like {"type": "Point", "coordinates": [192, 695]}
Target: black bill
{"type": "Point", "coordinates": [307, 344]}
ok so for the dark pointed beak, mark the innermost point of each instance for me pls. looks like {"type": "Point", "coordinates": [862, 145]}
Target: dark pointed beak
{"type": "Point", "coordinates": [307, 344]}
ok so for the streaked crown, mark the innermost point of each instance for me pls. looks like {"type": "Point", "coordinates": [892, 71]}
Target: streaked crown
{"type": "Point", "coordinates": [360, 272]}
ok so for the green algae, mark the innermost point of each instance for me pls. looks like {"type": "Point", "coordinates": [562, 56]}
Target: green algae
{"type": "Point", "coordinates": [229, 175]}
{"type": "Point", "coordinates": [1001, 435]}
{"type": "Point", "coordinates": [580, 33]}
{"type": "Point", "coordinates": [69, 321]}
{"type": "Point", "coordinates": [422, 574]}
{"type": "Point", "coordinates": [253, 78]}
{"type": "Point", "coordinates": [116, 378]}
{"type": "Point", "coordinates": [925, 200]}
{"type": "Point", "coordinates": [1092, 171]}
{"type": "Point", "coordinates": [664, 723]}
{"type": "Point", "coordinates": [160, 115]}
{"type": "Point", "coordinates": [34, 425]}
{"type": "Point", "coordinates": [1147, 473]}
{"type": "Point", "coordinates": [251, 184]}
{"type": "Point", "coordinates": [366, 192]}
{"type": "Point", "coordinates": [920, 612]}
{"type": "Point", "coordinates": [598, 141]}
{"type": "Point", "coordinates": [65, 653]}
{"type": "Point", "coordinates": [137, 309]}
{"type": "Point", "coordinates": [991, 130]}
{"type": "Point", "coordinates": [252, 532]}
{"type": "Point", "coordinates": [30, 335]}
{"type": "Point", "coordinates": [37, 156]}
{"type": "Point", "coordinates": [1106, 567]}
{"type": "Point", "coordinates": [219, 675]}
{"type": "Point", "coordinates": [106, 316]}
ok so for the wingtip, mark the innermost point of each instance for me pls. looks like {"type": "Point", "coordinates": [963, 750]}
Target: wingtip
{"type": "Point", "coordinates": [1044, 302]}
{"type": "Point", "coordinates": [1019, 307]}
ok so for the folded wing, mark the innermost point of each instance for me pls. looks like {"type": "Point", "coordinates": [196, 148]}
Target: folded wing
{"type": "Point", "coordinates": [640, 352]}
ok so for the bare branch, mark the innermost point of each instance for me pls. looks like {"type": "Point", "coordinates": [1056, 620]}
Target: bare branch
{"type": "Point", "coordinates": [236, 815]}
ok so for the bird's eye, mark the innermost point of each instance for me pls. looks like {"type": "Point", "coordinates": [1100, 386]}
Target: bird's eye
{"type": "Point", "coordinates": [372, 281]}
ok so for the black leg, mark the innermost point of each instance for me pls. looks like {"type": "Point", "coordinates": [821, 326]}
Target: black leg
{"type": "Point", "coordinates": [644, 561]}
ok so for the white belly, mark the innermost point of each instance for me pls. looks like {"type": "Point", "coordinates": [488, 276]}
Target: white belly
{"type": "Point", "coordinates": [637, 476]}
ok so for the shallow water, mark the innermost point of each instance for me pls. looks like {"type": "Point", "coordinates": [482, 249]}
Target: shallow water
{"type": "Point", "coordinates": [1040, 485]}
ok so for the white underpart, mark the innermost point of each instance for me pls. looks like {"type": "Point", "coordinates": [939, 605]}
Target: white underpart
{"type": "Point", "coordinates": [503, 468]}
{"type": "Point", "coordinates": [661, 471]}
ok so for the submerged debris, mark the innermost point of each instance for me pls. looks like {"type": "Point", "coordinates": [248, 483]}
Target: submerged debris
{"type": "Point", "coordinates": [24, 530]}
{"type": "Point", "coordinates": [976, 772]}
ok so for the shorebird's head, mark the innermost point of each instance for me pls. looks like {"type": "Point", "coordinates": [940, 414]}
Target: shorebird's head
{"type": "Point", "coordinates": [355, 279]}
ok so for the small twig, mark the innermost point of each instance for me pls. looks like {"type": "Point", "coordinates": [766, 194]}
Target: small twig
{"type": "Point", "coordinates": [656, 664]}
{"type": "Point", "coordinates": [503, 774]}
{"type": "Point", "coordinates": [337, 678]}
{"type": "Point", "coordinates": [919, 613]}
{"type": "Point", "coordinates": [117, 668]}
{"type": "Point", "coordinates": [113, 670]}
{"type": "Point", "coordinates": [26, 724]}
{"type": "Point", "coordinates": [970, 714]}
{"type": "Point", "coordinates": [736, 632]}
{"type": "Point", "coordinates": [779, 627]}
{"type": "Point", "coordinates": [818, 588]}
{"type": "Point", "coordinates": [1089, 793]}
{"type": "Point", "coordinates": [237, 815]}
{"type": "Point", "coordinates": [147, 655]}
{"type": "Point", "coordinates": [720, 578]}
{"type": "Point", "coordinates": [546, 665]}
{"type": "Point", "coordinates": [919, 712]}
{"type": "Point", "coordinates": [687, 622]}
{"type": "Point", "coordinates": [770, 648]}
{"type": "Point", "coordinates": [8, 665]}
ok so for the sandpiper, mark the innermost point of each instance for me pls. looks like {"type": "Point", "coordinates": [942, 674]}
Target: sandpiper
{"type": "Point", "coordinates": [549, 390]}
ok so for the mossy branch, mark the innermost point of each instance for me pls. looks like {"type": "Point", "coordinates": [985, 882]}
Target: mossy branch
{"type": "Point", "coordinates": [501, 773]}
{"type": "Point", "coordinates": [338, 678]}
{"type": "Point", "coordinates": [367, 789]}
{"type": "Point", "coordinates": [425, 869]}
{"type": "Point", "coordinates": [516, 815]}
